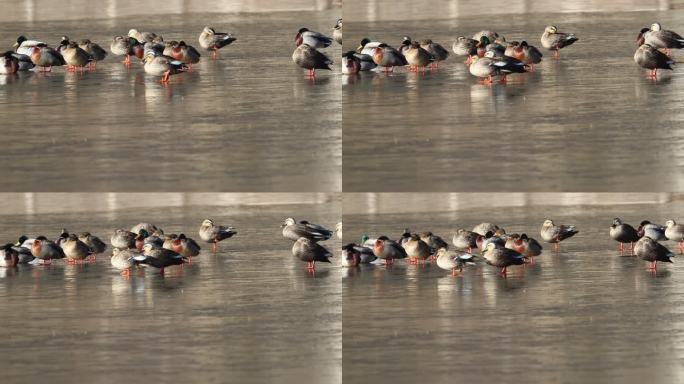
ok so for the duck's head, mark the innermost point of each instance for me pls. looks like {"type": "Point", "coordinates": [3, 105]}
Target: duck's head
{"type": "Point", "coordinates": [338, 24]}
{"type": "Point", "coordinates": [20, 40]}
{"type": "Point", "coordinates": [143, 234]}
{"type": "Point", "coordinates": [208, 223]}
{"type": "Point", "coordinates": [484, 41]}
{"type": "Point", "coordinates": [148, 247]}
{"type": "Point", "coordinates": [490, 246]}
{"type": "Point", "coordinates": [670, 223]}
{"type": "Point", "coordinates": [64, 234]}
{"type": "Point", "coordinates": [364, 238]}
{"type": "Point", "coordinates": [551, 29]}
{"type": "Point", "coordinates": [21, 240]}
{"type": "Point", "coordinates": [548, 223]}
{"type": "Point", "coordinates": [655, 27]}
{"type": "Point", "coordinates": [617, 221]}
{"type": "Point", "coordinates": [133, 33]}
{"type": "Point", "coordinates": [288, 221]}
{"type": "Point", "coordinates": [406, 40]}
{"type": "Point", "coordinates": [440, 252]}
{"type": "Point", "coordinates": [209, 31]}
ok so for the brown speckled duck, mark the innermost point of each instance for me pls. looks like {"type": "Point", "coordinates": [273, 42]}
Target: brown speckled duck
{"type": "Point", "coordinates": [554, 234]}
{"type": "Point", "coordinates": [309, 58]}
{"type": "Point", "coordinates": [555, 41]}
{"type": "Point", "coordinates": [311, 252]}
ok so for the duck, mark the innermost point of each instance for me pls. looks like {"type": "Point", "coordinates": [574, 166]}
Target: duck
{"type": "Point", "coordinates": [650, 250]}
{"type": "Point", "coordinates": [554, 234]}
{"type": "Point", "coordinates": [123, 239]}
{"type": "Point", "coordinates": [309, 58]}
{"type": "Point", "coordinates": [24, 62]}
{"type": "Point", "coordinates": [388, 57]}
{"type": "Point", "coordinates": [9, 257]}
{"type": "Point", "coordinates": [659, 38]}
{"type": "Point", "coordinates": [159, 258]}
{"type": "Point", "coordinates": [464, 239]}
{"type": "Point", "coordinates": [94, 242]}
{"type": "Point", "coordinates": [675, 232]}
{"type": "Point", "coordinates": [124, 260]}
{"type": "Point", "coordinates": [145, 37]}
{"type": "Point", "coordinates": [185, 246]}
{"type": "Point", "coordinates": [388, 250]}
{"type": "Point", "coordinates": [145, 237]}
{"type": "Point", "coordinates": [437, 51]}
{"type": "Point", "coordinates": [212, 41]}
{"type": "Point", "coordinates": [654, 231]}
{"type": "Point", "coordinates": [365, 252]}
{"type": "Point", "coordinates": [623, 233]}
{"type": "Point", "coordinates": [501, 257]}
{"type": "Point", "coordinates": [351, 257]}
{"type": "Point", "coordinates": [482, 228]}
{"type": "Point", "coordinates": [182, 52]}
{"type": "Point", "coordinates": [527, 246]}
{"type": "Point", "coordinates": [149, 227]}
{"type": "Point", "coordinates": [492, 237]}
{"type": "Point", "coordinates": [212, 233]}
{"type": "Point", "coordinates": [367, 47]}
{"type": "Point", "coordinates": [307, 250]}
{"type": "Point", "coordinates": [417, 57]}
{"type": "Point", "coordinates": [555, 41]}
{"type": "Point", "coordinates": [164, 66]}
{"type": "Point", "coordinates": [465, 46]}
{"type": "Point", "coordinates": [649, 57]}
{"type": "Point", "coordinates": [63, 44]}
{"type": "Point", "coordinates": [127, 47]}
{"type": "Point", "coordinates": [405, 45]}
{"type": "Point", "coordinates": [24, 46]}
{"type": "Point", "coordinates": [491, 35]}
{"type": "Point", "coordinates": [366, 61]}
{"type": "Point", "coordinates": [312, 39]}
{"type": "Point", "coordinates": [526, 53]}
{"type": "Point", "coordinates": [75, 57]}
{"type": "Point", "coordinates": [337, 32]}
{"type": "Point", "coordinates": [75, 250]}
{"type": "Point", "coordinates": [46, 250]}
{"type": "Point", "coordinates": [63, 235]}
{"type": "Point", "coordinates": [416, 249]}
{"type": "Point", "coordinates": [96, 52]}
{"type": "Point", "coordinates": [351, 64]}
{"type": "Point", "coordinates": [405, 236]}
{"type": "Point", "coordinates": [45, 57]}
{"type": "Point", "coordinates": [293, 230]}
{"type": "Point", "coordinates": [453, 260]}
{"type": "Point", "coordinates": [433, 241]}
{"type": "Point", "coordinates": [8, 63]}
{"type": "Point", "coordinates": [23, 248]}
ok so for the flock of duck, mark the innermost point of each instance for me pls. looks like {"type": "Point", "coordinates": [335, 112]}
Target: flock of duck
{"type": "Point", "coordinates": [502, 250]}
{"type": "Point", "coordinates": [489, 54]}
{"type": "Point", "coordinates": [160, 58]}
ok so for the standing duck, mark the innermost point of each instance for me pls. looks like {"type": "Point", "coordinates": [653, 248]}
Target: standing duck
{"type": "Point", "coordinates": [24, 46]}
{"type": "Point", "coordinates": [464, 46]}
{"type": "Point", "coordinates": [416, 249]}
{"type": "Point", "coordinates": [127, 47]}
{"type": "Point", "coordinates": [46, 58]}
{"type": "Point", "coordinates": [657, 37]}
{"type": "Point", "coordinates": [554, 234]}
{"type": "Point", "coordinates": [405, 45]}
{"type": "Point", "coordinates": [9, 257]}
{"type": "Point", "coordinates": [526, 53]}
{"type": "Point", "coordinates": [528, 247]}
{"type": "Point", "coordinates": [182, 52]}
{"type": "Point", "coordinates": [164, 66]}
{"type": "Point", "coordinates": [433, 241]}
{"type": "Point", "coordinates": [46, 250]}
{"type": "Point", "coordinates": [213, 41]}
{"type": "Point", "coordinates": [185, 246]}
{"type": "Point", "coordinates": [337, 32]}
{"type": "Point", "coordinates": [159, 257]}
{"type": "Point", "coordinates": [555, 41]}
{"type": "Point", "coordinates": [388, 57]}
{"type": "Point", "coordinates": [75, 57]}
{"type": "Point", "coordinates": [623, 233]}
{"type": "Point", "coordinates": [211, 233]}
{"type": "Point", "coordinates": [438, 52]}
{"type": "Point", "coordinates": [123, 260]}
{"type": "Point", "coordinates": [312, 39]}
{"type": "Point", "coordinates": [96, 52]}
{"type": "Point", "coordinates": [75, 250]}
{"type": "Point", "coordinates": [123, 239]}
{"type": "Point", "coordinates": [466, 240]}
{"type": "Point", "coordinates": [501, 257]}
{"type": "Point", "coordinates": [306, 250]}
{"type": "Point", "coordinates": [94, 242]}
{"type": "Point", "coordinates": [309, 58]}
{"type": "Point", "coordinates": [8, 63]}
{"type": "Point", "coordinates": [351, 64]}
{"type": "Point", "coordinates": [453, 261]}
{"type": "Point", "coordinates": [649, 57]}
{"type": "Point", "coordinates": [675, 232]}
{"type": "Point", "coordinates": [652, 251]}
{"type": "Point", "coordinates": [293, 230]}
{"type": "Point", "coordinates": [654, 231]}
{"type": "Point", "coordinates": [417, 57]}
{"type": "Point", "coordinates": [388, 250]}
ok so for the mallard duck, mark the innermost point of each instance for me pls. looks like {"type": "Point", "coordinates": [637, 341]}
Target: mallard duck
{"type": "Point", "coordinates": [309, 58]}
{"type": "Point", "coordinates": [23, 248]}
{"type": "Point", "coordinates": [464, 46]}
{"type": "Point", "coordinates": [75, 250]}
{"type": "Point", "coordinates": [623, 233]}
{"type": "Point", "coordinates": [526, 53]}
{"type": "Point", "coordinates": [307, 250]}
{"type": "Point", "coordinates": [654, 231]}
{"type": "Point", "coordinates": [145, 37]}
{"type": "Point", "coordinates": [159, 257]}
{"type": "Point", "coordinates": [46, 58]}
{"type": "Point", "coordinates": [433, 241]}
{"type": "Point", "coordinates": [123, 239]}
{"type": "Point", "coordinates": [9, 257]}
{"type": "Point", "coordinates": [337, 32]}
{"type": "Point", "coordinates": [94, 242]}
{"type": "Point", "coordinates": [312, 39]}
{"type": "Point", "coordinates": [657, 37]}
{"type": "Point", "coordinates": [388, 57]}
{"type": "Point", "coordinates": [416, 249]}
{"type": "Point", "coordinates": [652, 251]}
{"type": "Point", "coordinates": [417, 57]}
{"type": "Point", "coordinates": [24, 46]}
{"type": "Point", "coordinates": [675, 232]}
{"type": "Point", "coordinates": [351, 64]}
{"type": "Point", "coordinates": [164, 66]}
{"type": "Point", "coordinates": [366, 61]}
{"type": "Point", "coordinates": [46, 250]}
{"type": "Point", "coordinates": [182, 52]}
{"type": "Point", "coordinates": [527, 246]}
{"type": "Point", "coordinates": [647, 56]}
{"type": "Point", "coordinates": [554, 234]}
{"type": "Point", "coordinates": [491, 35]}
{"type": "Point", "coordinates": [211, 233]}
{"type": "Point", "coordinates": [437, 51]}
{"type": "Point", "coordinates": [125, 46]}
{"type": "Point", "coordinates": [388, 250]}
{"type": "Point", "coordinates": [453, 261]}
{"type": "Point", "coordinates": [185, 246]}
{"type": "Point", "coordinates": [8, 63]}
{"type": "Point", "coordinates": [124, 260]}
{"type": "Point", "coordinates": [293, 230]}
{"type": "Point", "coordinates": [367, 47]}
{"type": "Point", "coordinates": [212, 41]}
{"type": "Point", "coordinates": [75, 57]}
{"type": "Point", "coordinates": [464, 239]}
{"type": "Point", "coordinates": [351, 257]}
{"type": "Point", "coordinates": [96, 52]}
{"type": "Point", "coordinates": [501, 257]}
{"type": "Point", "coordinates": [555, 41]}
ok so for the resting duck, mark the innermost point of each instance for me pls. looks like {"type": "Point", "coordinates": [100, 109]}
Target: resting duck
{"type": "Point", "coordinates": [437, 51]}
{"type": "Point", "coordinates": [488, 67]}
{"type": "Point", "coordinates": [96, 52]}
{"type": "Point", "coordinates": [675, 232]}
{"type": "Point", "coordinates": [482, 228]}
{"type": "Point", "coordinates": [8, 256]}
{"type": "Point", "coordinates": [293, 230]}
{"type": "Point", "coordinates": [453, 261]}
{"type": "Point", "coordinates": [464, 239]}
{"type": "Point", "coordinates": [185, 246]}
{"type": "Point", "coordinates": [312, 39]}
{"type": "Point", "coordinates": [94, 242]}
{"type": "Point", "coordinates": [123, 239]}
{"type": "Point", "coordinates": [654, 231]}
{"type": "Point", "coordinates": [159, 258]}
{"type": "Point", "coordinates": [464, 46]}
{"type": "Point", "coordinates": [555, 41]}
{"type": "Point", "coordinates": [149, 227]}
{"type": "Point", "coordinates": [501, 257]}
{"type": "Point", "coordinates": [417, 57]}
{"type": "Point", "coordinates": [307, 250]}
{"type": "Point", "coordinates": [309, 58]}
{"type": "Point", "coordinates": [211, 233]}
{"type": "Point", "coordinates": [46, 58]}
{"type": "Point", "coordinates": [337, 32]}
{"type": "Point", "coordinates": [416, 249]}
{"type": "Point", "coordinates": [351, 64]}
{"type": "Point", "coordinates": [433, 241]}
{"type": "Point", "coordinates": [623, 233]}
{"type": "Point", "coordinates": [653, 252]}
{"type": "Point", "coordinates": [145, 37]}
{"type": "Point", "coordinates": [388, 250]}
{"type": "Point", "coordinates": [8, 63]}
{"type": "Point", "coordinates": [46, 250]}
{"type": "Point", "coordinates": [75, 250]}
{"type": "Point", "coordinates": [182, 52]}
{"type": "Point", "coordinates": [526, 53]}
{"type": "Point", "coordinates": [212, 41]}
{"type": "Point", "coordinates": [367, 47]}
{"type": "Point", "coordinates": [527, 246]}
{"type": "Point", "coordinates": [388, 57]}
{"type": "Point", "coordinates": [23, 248]}
{"type": "Point", "coordinates": [355, 254]}
{"type": "Point", "coordinates": [164, 66]}
{"type": "Point", "coordinates": [124, 260]}
{"type": "Point", "coordinates": [649, 57]}
{"type": "Point", "coordinates": [659, 38]}
{"type": "Point", "coordinates": [75, 57]}
{"type": "Point", "coordinates": [24, 46]}
{"type": "Point", "coordinates": [125, 46]}
{"type": "Point", "coordinates": [554, 234]}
